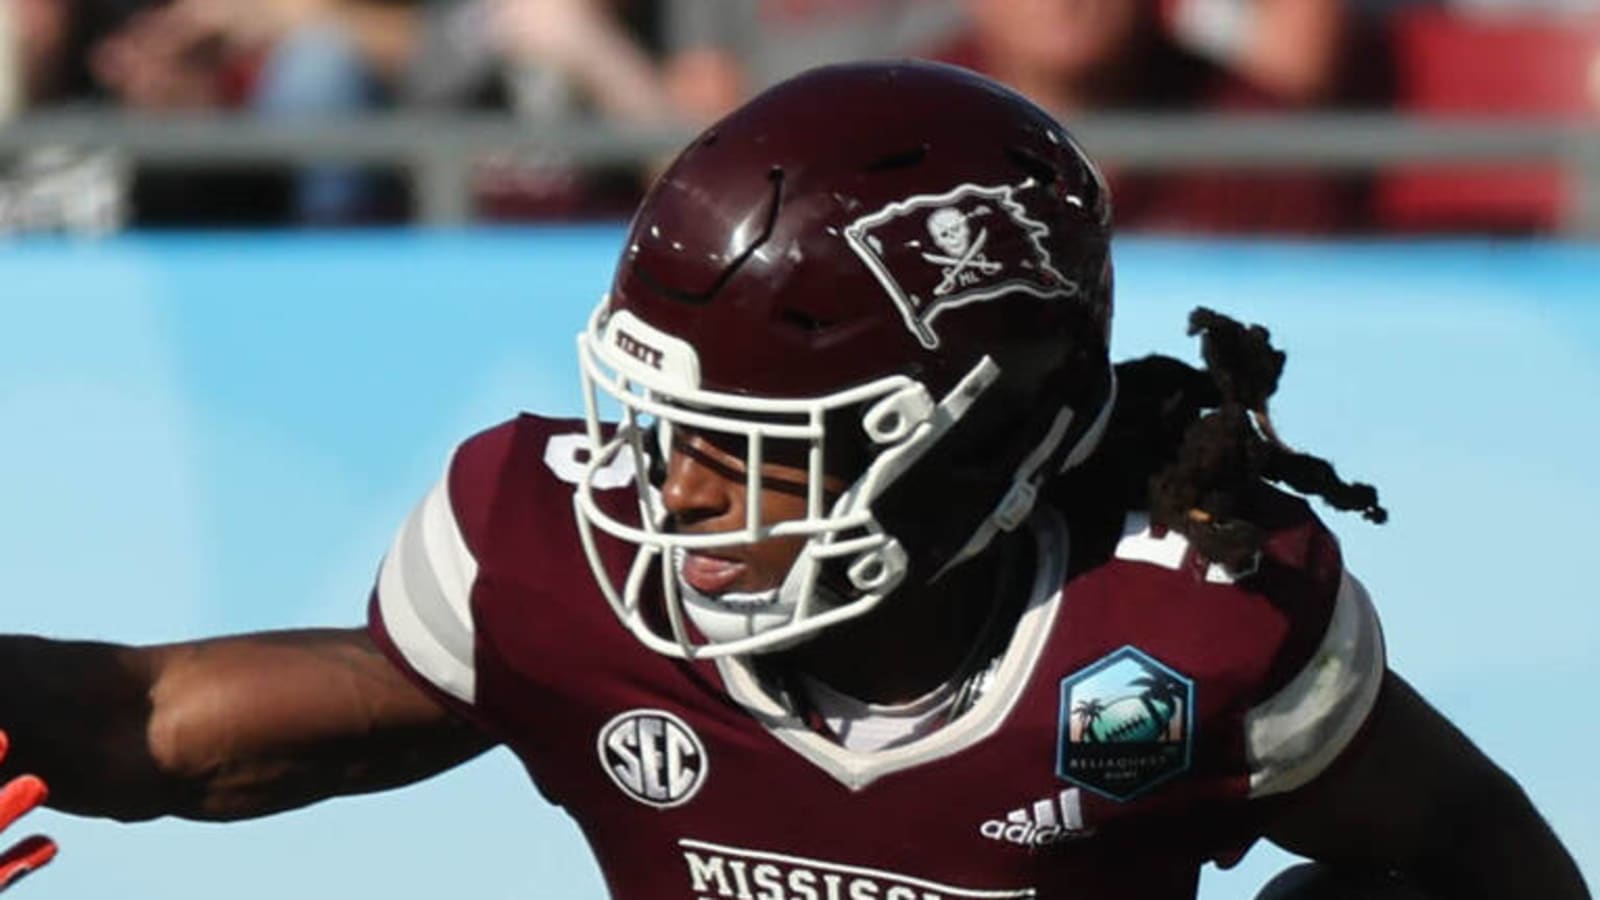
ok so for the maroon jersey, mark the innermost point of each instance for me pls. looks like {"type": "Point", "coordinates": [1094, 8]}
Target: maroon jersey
{"type": "Point", "coordinates": [1143, 703]}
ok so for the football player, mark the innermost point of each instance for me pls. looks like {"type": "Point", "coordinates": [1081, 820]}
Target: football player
{"type": "Point", "coordinates": [860, 521]}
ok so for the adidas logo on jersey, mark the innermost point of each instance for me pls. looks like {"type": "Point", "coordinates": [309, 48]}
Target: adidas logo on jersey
{"type": "Point", "coordinates": [1048, 821]}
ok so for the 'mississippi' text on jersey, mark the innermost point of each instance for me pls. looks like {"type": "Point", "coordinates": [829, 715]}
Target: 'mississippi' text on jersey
{"type": "Point", "coordinates": [1145, 703]}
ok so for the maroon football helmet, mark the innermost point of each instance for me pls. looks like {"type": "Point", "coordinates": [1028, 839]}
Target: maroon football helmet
{"type": "Point", "coordinates": [902, 266]}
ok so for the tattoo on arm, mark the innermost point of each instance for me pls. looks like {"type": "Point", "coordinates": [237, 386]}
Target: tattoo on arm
{"type": "Point", "coordinates": [220, 729]}
{"type": "Point", "coordinates": [276, 721]}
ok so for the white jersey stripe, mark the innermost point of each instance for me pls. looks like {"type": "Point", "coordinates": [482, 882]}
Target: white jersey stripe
{"type": "Point", "coordinates": [432, 564]}
{"type": "Point", "coordinates": [425, 592]}
{"type": "Point", "coordinates": [1299, 731]}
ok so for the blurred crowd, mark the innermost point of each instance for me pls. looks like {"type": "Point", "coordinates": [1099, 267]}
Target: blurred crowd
{"type": "Point", "coordinates": [685, 62]}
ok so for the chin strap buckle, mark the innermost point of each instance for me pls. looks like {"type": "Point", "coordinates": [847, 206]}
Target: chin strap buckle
{"type": "Point", "coordinates": [1018, 503]}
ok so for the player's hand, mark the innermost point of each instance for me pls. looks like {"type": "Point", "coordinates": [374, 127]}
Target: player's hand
{"type": "Point", "coordinates": [17, 798]}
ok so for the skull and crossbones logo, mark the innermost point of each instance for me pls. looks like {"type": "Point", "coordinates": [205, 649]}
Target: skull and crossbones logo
{"type": "Point", "coordinates": [963, 258]}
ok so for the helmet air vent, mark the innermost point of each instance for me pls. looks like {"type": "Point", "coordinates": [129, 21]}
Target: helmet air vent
{"type": "Point", "coordinates": [765, 216]}
{"type": "Point", "coordinates": [804, 321]}
{"type": "Point", "coordinates": [899, 159]}
{"type": "Point", "coordinates": [1037, 167]}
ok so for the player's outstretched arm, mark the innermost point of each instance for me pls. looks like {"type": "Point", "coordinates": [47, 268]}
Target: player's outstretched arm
{"type": "Point", "coordinates": [1418, 798]}
{"type": "Point", "coordinates": [219, 729]}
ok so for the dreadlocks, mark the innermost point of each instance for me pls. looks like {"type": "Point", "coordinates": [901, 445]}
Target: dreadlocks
{"type": "Point", "coordinates": [1191, 443]}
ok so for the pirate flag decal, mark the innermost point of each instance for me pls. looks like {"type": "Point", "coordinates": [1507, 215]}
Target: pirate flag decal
{"type": "Point", "coordinates": [934, 252]}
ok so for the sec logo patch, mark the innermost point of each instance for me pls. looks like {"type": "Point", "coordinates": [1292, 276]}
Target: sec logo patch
{"type": "Point", "coordinates": [1126, 725]}
{"type": "Point", "coordinates": [653, 756]}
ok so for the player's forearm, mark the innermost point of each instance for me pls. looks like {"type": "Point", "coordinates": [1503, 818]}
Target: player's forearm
{"type": "Point", "coordinates": [1499, 847]}
{"type": "Point", "coordinates": [1419, 798]}
{"type": "Point", "coordinates": [261, 723]}
{"type": "Point", "coordinates": [77, 714]}
{"type": "Point", "coordinates": [221, 729]}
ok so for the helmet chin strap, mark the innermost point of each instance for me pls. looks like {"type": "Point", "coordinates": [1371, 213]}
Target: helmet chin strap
{"type": "Point", "coordinates": [1090, 441]}
{"type": "Point", "coordinates": [734, 615]}
{"type": "Point", "coordinates": [1015, 506]}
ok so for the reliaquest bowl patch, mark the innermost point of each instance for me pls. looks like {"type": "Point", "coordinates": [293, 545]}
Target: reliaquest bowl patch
{"type": "Point", "coordinates": [1126, 724]}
